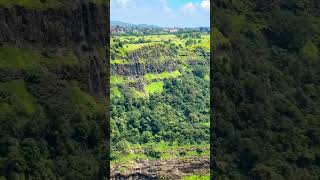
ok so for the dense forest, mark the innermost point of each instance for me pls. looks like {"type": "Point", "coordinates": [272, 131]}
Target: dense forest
{"type": "Point", "coordinates": [266, 89]}
{"type": "Point", "coordinates": [52, 111]}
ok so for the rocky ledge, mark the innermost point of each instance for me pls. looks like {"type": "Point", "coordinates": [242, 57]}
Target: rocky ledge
{"type": "Point", "coordinates": [162, 169]}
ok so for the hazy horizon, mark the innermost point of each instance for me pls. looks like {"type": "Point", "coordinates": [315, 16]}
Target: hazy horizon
{"type": "Point", "coordinates": [157, 25]}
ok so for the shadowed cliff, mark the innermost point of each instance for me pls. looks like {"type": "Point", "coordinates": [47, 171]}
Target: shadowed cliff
{"type": "Point", "coordinates": [53, 64]}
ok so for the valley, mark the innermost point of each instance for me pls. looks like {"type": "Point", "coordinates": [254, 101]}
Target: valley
{"type": "Point", "coordinates": [160, 105]}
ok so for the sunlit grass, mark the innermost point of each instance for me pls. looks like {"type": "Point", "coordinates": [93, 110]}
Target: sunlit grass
{"type": "Point", "coordinates": [168, 151]}
{"type": "Point", "coordinates": [197, 177]}
{"type": "Point", "coordinates": [132, 47]}
{"type": "Point", "coordinates": [154, 88]}
{"type": "Point", "coordinates": [164, 75]}
{"type": "Point", "coordinates": [115, 92]}
{"type": "Point", "coordinates": [117, 80]}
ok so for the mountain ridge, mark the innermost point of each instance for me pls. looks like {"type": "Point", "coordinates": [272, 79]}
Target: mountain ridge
{"type": "Point", "coordinates": [132, 25]}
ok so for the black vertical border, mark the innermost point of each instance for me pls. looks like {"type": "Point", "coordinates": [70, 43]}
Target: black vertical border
{"type": "Point", "coordinates": [212, 103]}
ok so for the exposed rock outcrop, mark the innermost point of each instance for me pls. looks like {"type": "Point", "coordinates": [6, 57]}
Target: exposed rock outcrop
{"type": "Point", "coordinates": [164, 169]}
{"type": "Point", "coordinates": [84, 23]}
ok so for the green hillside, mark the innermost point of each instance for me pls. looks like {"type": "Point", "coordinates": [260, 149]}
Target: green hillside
{"type": "Point", "coordinates": [266, 91]}
{"type": "Point", "coordinates": [159, 113]}
{"type": "Point", "coordinates": [52, 111]}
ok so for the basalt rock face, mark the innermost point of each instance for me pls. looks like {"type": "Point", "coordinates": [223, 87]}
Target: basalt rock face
{"type": "Point", "coordinates": [140, 69]}
{"type": "Point", "coordinates": [80, 29]}
{"type": "Point", "coordinates": [84, 24]}
{"type": "Point", "coordinates": [146, 60]}
{"type": "Point", "coordinates": [159, 169]}
{"type": "Point", "coordinates": [66, 96]}
{"type": "Point", "coordinates": [154, 59]}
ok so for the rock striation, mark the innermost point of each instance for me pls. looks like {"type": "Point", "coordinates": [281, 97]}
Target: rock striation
{"type": "Point", "coordinates": [80, 29]}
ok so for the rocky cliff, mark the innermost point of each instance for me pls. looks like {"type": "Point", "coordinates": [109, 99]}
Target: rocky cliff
{"type": "Point", "coordinates": [80, 28]}
{"type": "Point", "coordinates": [53, 86]}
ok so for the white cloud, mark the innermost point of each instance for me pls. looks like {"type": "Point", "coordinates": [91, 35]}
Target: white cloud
{"type": "Point", "coordinates": [123, 2]}
{"type": "Point", "coordinates": [189, 6]}
{"type": "Point", "coordinates": [120, 3]}
{"type": "Point", "coordinates": [205, 4]}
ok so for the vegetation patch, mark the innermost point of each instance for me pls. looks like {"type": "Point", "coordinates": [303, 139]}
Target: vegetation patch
{"type": "Point", "coordinates": [219, 39]}
{"type": "Point", "coordinates": [203, 42]}
{"type": "Point", "coordinates": [207, 77]}
{"type": "Point", "coordinates": [17, 89]}
{"type": "Point", "coordinates": [13, 58]}
{"type": "Point", "coordinates": [115, 92]}
{"type": "Point", "coordinates": [154, 88]}
{"type": "Point", "coordinates": [117, 80]}
{"type": "Point", "coordinates": [85, 102]}
{"type": "Point", "coordinates": [197, 177]}
{"type": "Point", "coordinates": [164, 75]}
{"type": "Point", "coordinates": [132, 47]}
{"type": "Point", "coordinates": [119, 61]}
{"type": "Point", "coordinates": [158, 150]}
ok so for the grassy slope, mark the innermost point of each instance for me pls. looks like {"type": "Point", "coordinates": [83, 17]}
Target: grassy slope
{"type": "Point", "coordinates": [166, 152]}
{"type": "Point", "coordinates": [18, 90]}
{"type": "Point", "coordinates": [164, 75]}
{"type": "Point", "coordinates": [154, 87]}
{"type": "Point", "coordinates": [203, 42]}
{"type": "Point", "coordinates": [13, 58]}
{"type": "Point", "coordinates": [197, 177]}
{"type": "Point", "coordinates": [128, 47]}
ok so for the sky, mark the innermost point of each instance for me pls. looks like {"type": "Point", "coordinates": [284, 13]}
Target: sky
{"type": "Point", "coordinates": [165, 13]}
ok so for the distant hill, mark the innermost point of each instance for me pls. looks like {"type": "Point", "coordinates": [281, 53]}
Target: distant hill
{"type": "Point", "coordinates": [129, 25]}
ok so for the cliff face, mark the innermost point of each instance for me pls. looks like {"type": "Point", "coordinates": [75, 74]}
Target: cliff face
{"type": "Point", "coordinates": [85, 24]}
{"type": "Point", "coordinates": [53, 69]}
{"type": "Point", "coordinates": [146, 60]}
{"type": "Point", "coordinates": [81, 29]}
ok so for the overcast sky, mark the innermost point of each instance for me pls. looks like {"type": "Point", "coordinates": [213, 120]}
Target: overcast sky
{"type": "Point", "coordinates": [166, 13]}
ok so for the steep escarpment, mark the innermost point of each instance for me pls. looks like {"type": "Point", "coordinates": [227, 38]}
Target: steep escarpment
{"type": "Point", "coordinates": [149, 59]}
{"type": "Point", "coordinates": [55, 26]}
{"type": "Point", "coordinates": [53, 64]}
{"type": "Point", "coordinates": [156, 59]}
{"type": "Point", "coordinates": [80, 29]}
